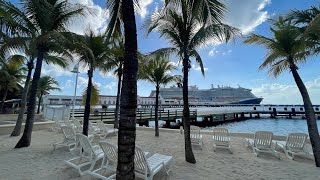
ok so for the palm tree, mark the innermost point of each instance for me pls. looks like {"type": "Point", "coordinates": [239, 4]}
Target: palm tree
{"type": "Point", "coordinates": [11, 74]}
{"type": "Point", "coordinates": [27, 45]}
{"type": "Point", "coordinates": [309, 22]}
{"type": "Point", "coordinates": [94, 95]}
{"type": "Point", "coordinates": [187, 31]}
{"type": "Point", "coordinates": [116, 63]}
{"type": "Point", "coordinates": [48, 19]}
{"type": "Point", "coordinates": [123, 12]}
{"type": "Point", "coordinates": [93, 51]}
{"type": "Point", "coordinates": [46, 84]}
{"type": "Point", "coordinates": [157, 71]}
{"type": "Point", "coordinates": [286, 49]}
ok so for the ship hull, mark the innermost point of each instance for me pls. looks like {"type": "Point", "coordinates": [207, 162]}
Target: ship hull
{"type": "Point", "coordinates": [248, 101]}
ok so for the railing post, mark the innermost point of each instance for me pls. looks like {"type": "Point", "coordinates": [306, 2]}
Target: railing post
{"type": "Point", "coordinates": [168, 116]}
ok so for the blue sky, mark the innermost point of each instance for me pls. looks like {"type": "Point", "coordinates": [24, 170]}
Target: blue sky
{"type": "Point", "coordinates": [230, 64]}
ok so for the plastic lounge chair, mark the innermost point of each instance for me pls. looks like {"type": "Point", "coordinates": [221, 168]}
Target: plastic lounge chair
{"type": "Point", "coordinates": [195, 136]}
{"type": "Point", "coordinates": [262, 142]}
{"type": "Point", "coordinates": [109, 162]}
{"type": "Point", "coordinates": [77, 125]}
{"type": "Point", "coordinates": [104, 130]}
{"type": "Point", "coordinates": [295, 145]}
{"type": "Point", "coordinates": [221, 139]}
{"type": "Point", "coordinates": [146, 168]}
{"type": "Point", "coordinates": [94, 128]}
{"type": "Point", "coordinates": [88, 156]}
{"type": "Point", "coordinates": [69, 139]}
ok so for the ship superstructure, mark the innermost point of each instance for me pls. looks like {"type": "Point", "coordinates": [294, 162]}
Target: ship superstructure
{"type": "Point", "coordinates": [214, 95]}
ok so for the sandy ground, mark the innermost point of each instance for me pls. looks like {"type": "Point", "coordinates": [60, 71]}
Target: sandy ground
{"type": "Point", "coordinates": [40, 161]}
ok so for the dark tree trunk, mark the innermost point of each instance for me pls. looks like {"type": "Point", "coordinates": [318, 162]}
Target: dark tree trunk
{"type": "Point", "coordinates": [128, 105]}
{"type": "Point", "coordinates": [17, 129]}
{"type": "Point", "coordinates": [310, 115]}
{"type": "Point", "coordinates": [87, 106]}
{"type": "Point", "coordinates": [116, 116]}
{"type": "Point", "coordinates": [156, 112]}
{"type": "Point", "coordinates": [186, 113]}
{"type": "Point", "coordinates": [26, 137]}
{"type": "Point", "coordinates": [4, 98]}
{"type": "Point", "coordinates": [39, 103]}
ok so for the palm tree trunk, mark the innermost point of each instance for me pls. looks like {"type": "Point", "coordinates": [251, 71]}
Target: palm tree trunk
{"type": "Point", "coordinates": [310, 116]}
{"type": "Point", "coordinates": [87, 106]}
{"type": "Point", "coordinates": [39, 103]}
{"type": "Point", "coordinates": [26, 137]}
{"type": "Point", "coordinates": [116, 116]}
{"type": "Point", "coordinates": [128, 105]}
{"type": "Point", "coordinates": [4, 98]}
{"type": "Point", "coordinates": [186, 114]}
{"type": "Point", "coordinates": [17, 129]}
{"type": "Point", "coordinates": [156, 112]}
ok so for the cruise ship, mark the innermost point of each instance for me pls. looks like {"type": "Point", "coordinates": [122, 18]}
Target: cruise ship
{"type": "Point", "coordinates": [212, 96]}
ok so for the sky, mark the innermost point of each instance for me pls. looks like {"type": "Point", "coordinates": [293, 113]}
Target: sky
{"type": "Point", "coordinates": [229, 64]}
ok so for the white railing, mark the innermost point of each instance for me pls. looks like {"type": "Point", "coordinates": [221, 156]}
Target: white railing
{"type": "Point", "coordinates": [56, 113]}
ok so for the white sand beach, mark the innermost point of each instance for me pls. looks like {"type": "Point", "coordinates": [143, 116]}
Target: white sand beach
{"type": "Point", "coordinates": [39, 161]}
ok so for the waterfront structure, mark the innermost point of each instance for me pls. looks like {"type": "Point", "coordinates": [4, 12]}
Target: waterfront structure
{"type": "Point", "coordinates": [173, 96]}
{"type": "Point", "coordinates": [212, 96]}
{"type": "Point", "coordinates": [103, 100]}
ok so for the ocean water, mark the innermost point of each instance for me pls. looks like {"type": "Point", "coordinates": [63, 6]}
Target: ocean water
{"type": "Point", "coordinates": [280, 126]}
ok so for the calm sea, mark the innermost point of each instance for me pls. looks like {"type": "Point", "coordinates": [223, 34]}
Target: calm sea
{"type": "Point", "coordinates": [280, 126]}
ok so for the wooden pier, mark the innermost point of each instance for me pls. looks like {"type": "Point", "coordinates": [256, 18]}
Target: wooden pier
{"type": "Point", "coordinates": [219, 115]}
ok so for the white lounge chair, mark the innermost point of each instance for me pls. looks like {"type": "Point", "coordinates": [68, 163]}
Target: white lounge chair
{"type": "Point", "coordinates": [109, 162]}
{"type": "Point", "coordinates": [221, 139]}
{"type": "Point", "coordinates": [104, 130]}
{"type": "Point", "coordinates": [262, 142]}
{"type": "Point", "coordinates": [77, 125]}
{"type": "Point", "coordinates": [146, 168]}
{"type": "Point", "coordinates": [89, 155]}
{"type": "Point", "coordinates": [69, 139]}
{"type": "Point", "coordinates": [93, 127]}
{"type": "Point", "coordinates": [295, 144]}
{"type": "Point", "coordinates": [195, 136]}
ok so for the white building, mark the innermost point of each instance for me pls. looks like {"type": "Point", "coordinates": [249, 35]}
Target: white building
{"type": "Point", "coordinates": [103, 100]}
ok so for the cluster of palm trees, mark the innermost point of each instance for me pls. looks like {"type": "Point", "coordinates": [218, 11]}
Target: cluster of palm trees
{"type": "Point", "coordinates": [39, 30]}
{"type": "Point", "coordinates": [295, 37]}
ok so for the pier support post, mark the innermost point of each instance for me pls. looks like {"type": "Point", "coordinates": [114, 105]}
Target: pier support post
{"type": "Point", "coordinates": [258, 115]}
{"type": "Point", "coordinates": [242, 115]}
{"type": "Point", "coordinates": [250, 115]}
{"type": "Point", "coordinates": [274, 112]}
{"type": "Point", "coordinates": [168, 124]}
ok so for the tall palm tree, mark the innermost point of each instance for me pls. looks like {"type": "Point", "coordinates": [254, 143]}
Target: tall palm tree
{"type": "Point", "coordinates": [11, 74]}
{"type": "Point", "coordinates": [27, 45]}
{"type": "Point", "coordinates": [187, 31]}
{"type": "Point", "coordinates": [309, 22]}
{"type": "Point", "coordinates": [157, 71]}
{"type": "Point", "coordinates": [116, 63]}
{"type": "Point", "coordinates": [123, 12]}
{"type": "Point", "coordinates": [287, 48]}
{"type": "Point", "coordinates": [48, 19]}
{"type": "Point", "coordinates": [93, 51]}
{"type": "Point", "coordinates": [46, 84]}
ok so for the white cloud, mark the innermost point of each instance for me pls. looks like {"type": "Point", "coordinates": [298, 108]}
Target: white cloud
{"type": "Point", "coordinates": [198, 68]}
{"type": "Point", "coordinates": [247, 14]}
{"type": "Point", "coordinates": [55, 71]}
{"type": "Point", "coordinates": [287, 93]}
{"type": "Point", "coordinates": [215, 52]}
{"type": "Point", "coordinates": [95, 19]}
{"type": "Point", "coordinates": [111, 85]}
{"type": "Point", "coordinates": [143, 4]}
